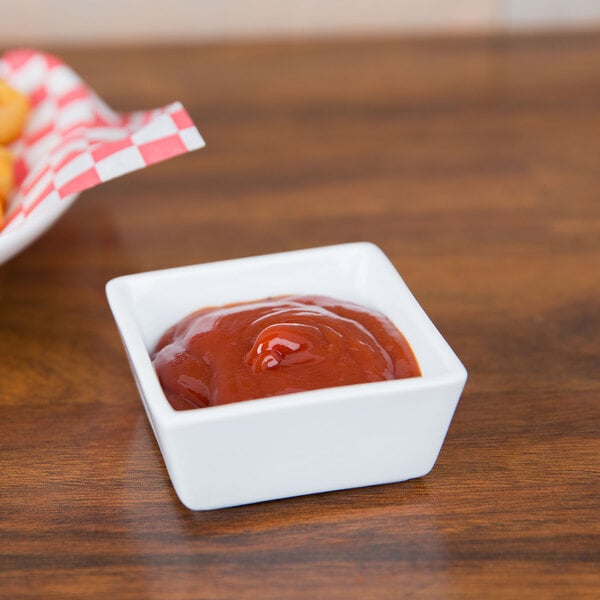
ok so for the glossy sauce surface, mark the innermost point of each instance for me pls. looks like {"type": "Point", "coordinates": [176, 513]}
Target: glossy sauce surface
{"type": "Point", "coordinates": [277, 346]}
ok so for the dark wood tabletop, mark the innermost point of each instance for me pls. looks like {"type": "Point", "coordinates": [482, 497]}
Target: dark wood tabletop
{"type": "Point", "coordinates": [474, 163]}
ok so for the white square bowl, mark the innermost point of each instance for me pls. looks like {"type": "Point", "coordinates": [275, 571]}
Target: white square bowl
{"type": "Point", "coordinates": [303, 443]}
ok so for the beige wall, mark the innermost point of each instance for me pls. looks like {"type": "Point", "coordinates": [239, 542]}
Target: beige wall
{"type": "Point", "coordinates": [35, 22]}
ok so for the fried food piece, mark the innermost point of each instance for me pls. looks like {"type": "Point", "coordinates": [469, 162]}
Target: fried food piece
{"type": "Point", "coordinates": [6, 171]}
{"type": "Point", "coordinates": [6, 179]}
{"type": "Point", "coordinates": [14, 108]}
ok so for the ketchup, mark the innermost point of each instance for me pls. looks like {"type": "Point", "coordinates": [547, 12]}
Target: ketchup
{"type": "Point", "coordinates": [277, 346]}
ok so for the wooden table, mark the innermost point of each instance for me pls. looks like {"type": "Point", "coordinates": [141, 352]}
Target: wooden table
{"type": "Point", "coordinates": [475, 165]}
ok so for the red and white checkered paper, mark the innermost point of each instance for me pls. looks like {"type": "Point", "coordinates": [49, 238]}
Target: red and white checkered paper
{"type": "Point", "coordinates": [73, 141]}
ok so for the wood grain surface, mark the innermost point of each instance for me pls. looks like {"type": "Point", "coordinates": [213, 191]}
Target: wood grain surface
{"type": "Point", "coordinates": [474, 163]}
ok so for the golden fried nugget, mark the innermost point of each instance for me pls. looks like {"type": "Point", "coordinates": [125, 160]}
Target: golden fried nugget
{"type": "Point", "coordinates": [6, 178]}
{"type": "Point", "coordinates": [14, 108]}
{"type": "Point", "coordinates": [6, 171]}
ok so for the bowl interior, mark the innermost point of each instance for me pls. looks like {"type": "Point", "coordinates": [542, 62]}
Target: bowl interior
{"type": "Point", "coordinates": [357, 272]}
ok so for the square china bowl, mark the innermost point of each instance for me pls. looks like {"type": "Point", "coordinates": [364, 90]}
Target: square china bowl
{"type": "Point", "coordinates": [301, 443]}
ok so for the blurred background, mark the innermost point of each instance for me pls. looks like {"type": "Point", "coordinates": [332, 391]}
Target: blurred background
{"type": "Point", "coordinates": [52, 22]}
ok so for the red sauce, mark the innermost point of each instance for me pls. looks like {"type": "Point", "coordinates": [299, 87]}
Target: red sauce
{"type": "Point", "coordinates": [277, 346]}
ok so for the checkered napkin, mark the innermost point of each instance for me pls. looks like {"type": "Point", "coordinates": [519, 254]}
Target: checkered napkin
{"type": "Point", "coordinates": [73, 141]}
